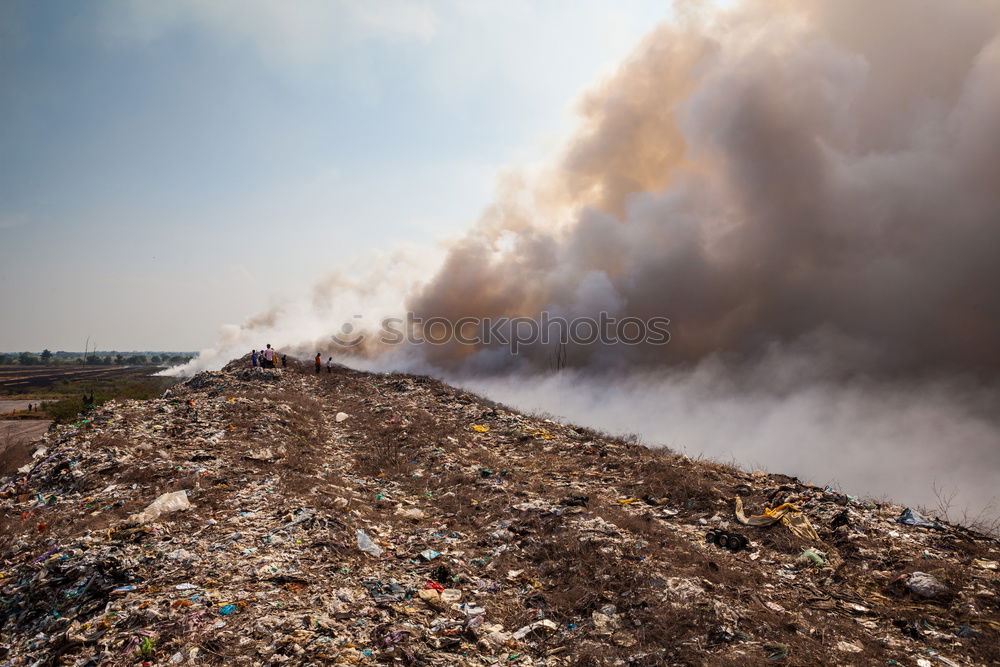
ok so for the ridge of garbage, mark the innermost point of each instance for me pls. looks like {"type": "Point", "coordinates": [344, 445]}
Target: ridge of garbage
{"type": "Point", "coordinates": [279, 516]}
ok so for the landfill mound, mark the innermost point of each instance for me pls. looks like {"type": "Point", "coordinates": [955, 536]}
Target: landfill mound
{"type": "Point", "coordinates": [277, 516]}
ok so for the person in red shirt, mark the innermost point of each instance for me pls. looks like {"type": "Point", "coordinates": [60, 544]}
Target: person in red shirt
{"type": "Point", "coordinates": [319, 363]}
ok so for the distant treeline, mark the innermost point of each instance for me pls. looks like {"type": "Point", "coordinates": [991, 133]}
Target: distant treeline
{"type": "Point", "coordinates": [100, 358]}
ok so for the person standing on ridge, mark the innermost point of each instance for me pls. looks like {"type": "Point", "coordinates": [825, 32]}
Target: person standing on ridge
{"type": "Point", "coordinates": [253, 359]}
{"type": "Point", "coordinates": [319, 363]}
{"type": "Point", "coordinates": [284, 361]}
{"type": "Point", "coordinates": [269, 357]}
{"type": "Point", "coordinates": [329, 365]}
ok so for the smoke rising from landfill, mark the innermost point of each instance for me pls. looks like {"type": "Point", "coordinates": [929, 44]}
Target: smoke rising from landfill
{"type": "Point", "coordinates": [820, 176]}
{"type": "Point", "coordinates": [808, 190]}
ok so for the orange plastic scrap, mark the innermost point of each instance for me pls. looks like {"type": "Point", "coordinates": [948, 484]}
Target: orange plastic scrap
{"type": "Point", "coordinates": [787, 513]}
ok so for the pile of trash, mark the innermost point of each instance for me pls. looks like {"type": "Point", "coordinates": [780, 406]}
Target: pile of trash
{"type": "Point", "coordinates": [273, 516]}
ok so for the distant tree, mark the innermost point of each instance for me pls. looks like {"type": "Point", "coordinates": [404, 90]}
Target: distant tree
{"type": "Point", "coordinates": [119, 359]}
{"type": "Point", "coordinates": [27, 359]}
{"type": "Point", "coordinates": [4, 359]}
{"type": "Point", "coordinates": [46, 356]}
{"type": "Point", "coordinates": [137, 359]}
{"type": "Point", "coordinates": [155, 359]}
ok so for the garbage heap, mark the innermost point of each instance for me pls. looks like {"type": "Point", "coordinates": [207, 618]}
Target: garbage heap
{"type": "Point", "coordinates": [278, 516]}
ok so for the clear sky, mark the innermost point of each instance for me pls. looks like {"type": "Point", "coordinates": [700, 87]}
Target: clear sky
{"type": "Point", "coordinates": [170, 166]}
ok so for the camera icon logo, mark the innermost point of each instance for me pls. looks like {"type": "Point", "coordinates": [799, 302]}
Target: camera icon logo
{"type": "Point", "coordinates": [347, 337]}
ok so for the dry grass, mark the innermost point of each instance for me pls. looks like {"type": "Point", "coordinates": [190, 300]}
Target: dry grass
{"type": "Point", "coordinates": [662, 475]}
{"type": "Point", "coordinates": [578, 577]}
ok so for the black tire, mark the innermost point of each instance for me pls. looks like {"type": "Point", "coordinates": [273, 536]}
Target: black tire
{"type": "Point", "coordinates": [737, 543]}
{"type": "Point", "coordinates": [711, 536]}
{"type": "Point", "coordinates": [723, 540]}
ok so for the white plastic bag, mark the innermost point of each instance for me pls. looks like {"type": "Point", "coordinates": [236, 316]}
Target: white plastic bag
{"type": "Point", "coordinates": [168, 502]}
{"type": "Point", "coordinates": [366, 544]}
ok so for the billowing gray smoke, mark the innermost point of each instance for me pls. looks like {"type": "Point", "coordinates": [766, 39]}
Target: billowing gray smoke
{"type": "Point", "coordinates": [810, 191]}
{"type": "Point", "coordinates": [813, 175]}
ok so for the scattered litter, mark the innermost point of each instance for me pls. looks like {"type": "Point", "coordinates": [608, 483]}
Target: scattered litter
{"type": "Point", "coordinates": [812, 556]}
{"type": "Point", "coordinates": [165, 504]}
{"type": "Point", "coordinates": [912, 517]}
{"type": "Point", "coordinates": [919, 583]}
{"type": "Point", "coordinates": [542, 627]}
{"type": "Point", "coordinates": [776, 651]}
{"type": "Point", "coordinates": [366, 544]}
{"type": "Point", "coordinates": [787, 513]}
{"type": "Point", "coordinates": [848, 647]}
{"type": "Point", "coordinates": [402, 535]}
{"type": "Point", "coordinates": [725, 540]}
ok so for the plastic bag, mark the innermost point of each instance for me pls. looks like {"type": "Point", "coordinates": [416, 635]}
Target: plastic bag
{"type": "Point", "coordinates": [168, 502]}
{"type": "Point", "coordinates": [911, 517]}
{"type": "Point", "coordinates": [366, 544]}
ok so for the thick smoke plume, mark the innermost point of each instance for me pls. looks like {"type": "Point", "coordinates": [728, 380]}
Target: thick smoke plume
{"type": "Point", "coordinates": [808, 189]}
{"type": "Point", "coordinates": [818, 174]}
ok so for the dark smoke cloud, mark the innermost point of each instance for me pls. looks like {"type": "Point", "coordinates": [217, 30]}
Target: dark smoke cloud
{"type": "Point", "coordinates": [792, 174]}
{"type": "Point", "coordinates": [809, 190]}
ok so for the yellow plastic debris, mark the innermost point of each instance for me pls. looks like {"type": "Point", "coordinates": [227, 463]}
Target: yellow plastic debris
{"type": "Point", "coordinates": [788, 514]}
{"type": "Point", "coordinates": [479, 428]}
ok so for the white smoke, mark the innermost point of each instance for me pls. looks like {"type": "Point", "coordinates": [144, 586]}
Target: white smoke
{"type": "Point", "coordinates": [806, 189]}
{"type": "Point", "coordinates": [926, 444]}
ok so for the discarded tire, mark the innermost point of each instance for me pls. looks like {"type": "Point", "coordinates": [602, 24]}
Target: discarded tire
{"type": "Point", "coordinates": [725, 540]}
{"type": "Point", "coordinates": [738, 543]}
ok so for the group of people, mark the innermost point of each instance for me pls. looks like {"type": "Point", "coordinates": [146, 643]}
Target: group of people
{"type": "Point", "coordinates": [319, 364]}
{"type": "Point", "coordinates": [267, 358]}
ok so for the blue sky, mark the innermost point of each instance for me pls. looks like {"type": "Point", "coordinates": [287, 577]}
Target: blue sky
{"type": "Point", "coordinates": [168, 167]}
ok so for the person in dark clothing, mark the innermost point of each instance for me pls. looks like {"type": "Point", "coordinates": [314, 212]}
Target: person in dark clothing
{"type": "Point", "coordinates": [253, 359]}
{"type": "Point", "coordinates": [319, 363]}
{"type": "Point", "coordinates": [284, 361]}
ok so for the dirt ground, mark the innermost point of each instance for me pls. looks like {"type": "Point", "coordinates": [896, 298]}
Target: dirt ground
{"type": "Point", "coordinates": [22, 429]}
{"type": "Point", "coordinates": [16, 438]}
{"type": "Point", "coordinates": [7, 406]}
